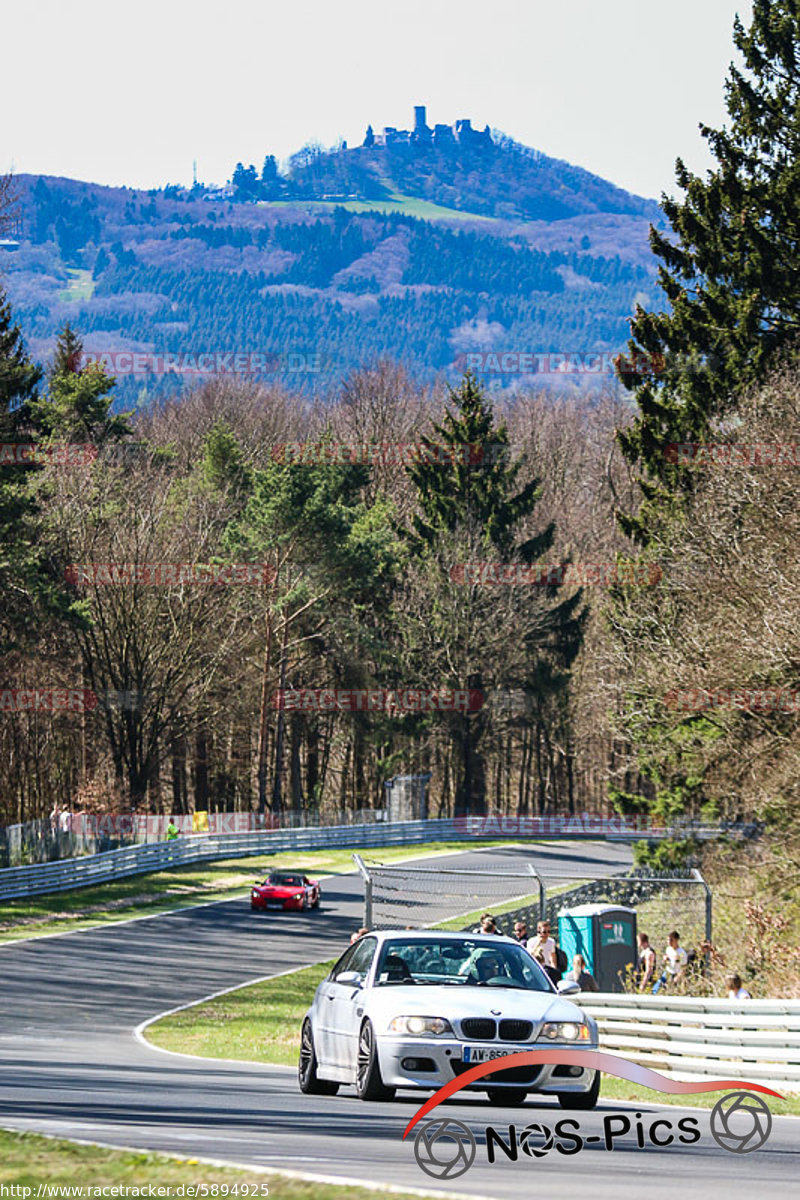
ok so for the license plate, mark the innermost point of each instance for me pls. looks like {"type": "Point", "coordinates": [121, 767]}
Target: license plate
{"type": "Point", "coordinates": [479, 1054]}
{"type": "Point", "coordinates": [274, 904]}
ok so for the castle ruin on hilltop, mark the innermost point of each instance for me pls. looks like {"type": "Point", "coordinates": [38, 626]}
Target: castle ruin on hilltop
{"type": "Point", "coordinates": [460, 133]}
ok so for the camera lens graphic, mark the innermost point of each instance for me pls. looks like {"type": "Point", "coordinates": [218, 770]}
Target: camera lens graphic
{"type": "Point", "coordinates": [536, 1140]}
{"type": "Point", "coordinates": [444, 1149]}
{"type": "Point", "coordinates": [741, 1122]}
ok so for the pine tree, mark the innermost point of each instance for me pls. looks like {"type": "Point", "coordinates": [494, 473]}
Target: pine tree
{"type": "Point", "coordinates": [25, 585]}
{"type": "Point", "coordinates": [477, 488]}
{"type": "Point", "coordinates": [729, 270]}
{"type": "Point", "coordinates": [67, 357]}
{"type": "Point", "coordinates": [78, 406]}
{"type": "Point", "coordinates": [470, 505]}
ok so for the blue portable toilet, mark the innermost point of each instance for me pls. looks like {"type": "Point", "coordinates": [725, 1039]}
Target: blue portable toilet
{"type": "Point", "coordinates": [605, 934]}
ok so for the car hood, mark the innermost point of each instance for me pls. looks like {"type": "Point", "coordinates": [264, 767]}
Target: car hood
{"type": "Point", "coordinates": [466, 1001]}
{"type": "Point", "coordinates": [281, 889]}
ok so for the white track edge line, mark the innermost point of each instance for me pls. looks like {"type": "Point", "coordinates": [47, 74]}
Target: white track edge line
{"type": "Point", "coordinates": [256, 1168]}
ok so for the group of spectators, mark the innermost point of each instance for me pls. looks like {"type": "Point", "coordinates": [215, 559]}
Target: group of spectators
{"type": "Point", "coordinates": [677, 967]}
{"type": "Point", "coordinates": [544, 947]}
{"type": "Point", "coordinates": [677, 964]}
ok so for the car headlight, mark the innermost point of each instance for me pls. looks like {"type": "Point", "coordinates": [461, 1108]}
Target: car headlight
{"type": "Point", "coordinates": [421, 1025]}
{"type": "Point", "coordinates": [565, 1031]}
{"type": "Point", "coordinates": [298, 896]}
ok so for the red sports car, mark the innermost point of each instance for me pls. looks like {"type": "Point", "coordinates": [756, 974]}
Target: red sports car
{"type": "Point", "coordinates": [285, 889]}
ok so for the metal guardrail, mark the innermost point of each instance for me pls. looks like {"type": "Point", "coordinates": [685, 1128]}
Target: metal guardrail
{"type": "Point", "coordinates": [41, 878]}
{"type": "Point", "coordinates": [696, 1039]}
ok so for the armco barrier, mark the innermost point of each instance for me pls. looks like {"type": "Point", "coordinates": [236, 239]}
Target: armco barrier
{"type": "Point", "coordinates": [695, 1039]}
{"type": "Point", "coordinates": [40, 878]}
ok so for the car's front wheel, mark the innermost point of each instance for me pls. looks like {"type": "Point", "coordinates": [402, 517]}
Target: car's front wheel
{"type": "Point", "coordinates": [581, 1100]}
{"type": "Point", "coordinates": [511, 1097]}
{"type": "Point", "coordinates": [369, 1084]}
{"type": "Point", "coordinates": [310, 1083]}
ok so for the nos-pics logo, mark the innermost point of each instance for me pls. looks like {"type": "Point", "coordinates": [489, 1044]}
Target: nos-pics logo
{"type": "Point", "coordinates": [445, 1148]}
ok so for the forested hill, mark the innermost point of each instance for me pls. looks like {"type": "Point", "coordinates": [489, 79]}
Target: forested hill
{"type": "Point", "coordinates": [374, 252]}
{"type": "Point", "coordinates": [484, 173]}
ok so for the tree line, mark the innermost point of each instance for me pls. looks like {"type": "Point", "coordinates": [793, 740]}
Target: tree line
{"type": "Point", "coordinates": [585, 686]}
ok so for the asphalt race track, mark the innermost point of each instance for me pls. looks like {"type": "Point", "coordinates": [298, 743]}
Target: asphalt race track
{"type": "Point", "coordinates": [71, 1065]}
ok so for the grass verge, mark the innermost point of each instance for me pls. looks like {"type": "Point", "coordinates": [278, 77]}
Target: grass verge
{"type": "Point", "coordinates": [180, 887]}
{"type": "Point", "coordinates": [28, 1160]}
{"type": "Point", "coordinates": [260, 1022]}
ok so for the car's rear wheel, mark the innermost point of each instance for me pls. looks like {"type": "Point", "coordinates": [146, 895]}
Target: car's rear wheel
{"type": "Point", "coordinates": [310, 1083]}
{"type": "Point", "coordinates": [369, 1084]}
{"type": "Point", "coordinates": [511, 1097]}
{"type": "Point", "coordinates": [581, 1100]}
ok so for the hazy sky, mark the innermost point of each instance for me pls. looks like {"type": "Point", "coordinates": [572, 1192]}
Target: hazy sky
{"type": "Point", "coordinates": [132, 93]}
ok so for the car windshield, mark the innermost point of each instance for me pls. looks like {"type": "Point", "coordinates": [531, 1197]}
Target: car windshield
{"type": "Point", "coordinates": [460, 962]}
{"type": "Point", "coordinates": [281, 879]}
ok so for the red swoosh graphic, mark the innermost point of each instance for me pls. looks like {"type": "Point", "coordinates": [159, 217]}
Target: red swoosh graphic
{"type": "Point", "coordinates": [595, 1060]}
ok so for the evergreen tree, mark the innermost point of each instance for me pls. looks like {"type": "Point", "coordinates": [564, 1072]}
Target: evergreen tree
{"type": "Point", "coordinates": [78, 406]}
{"type": "Point", "coordinates": [470, 505]}
{"type": "Point", "coordinates": [729, 270]}
{"type": "Point", "coordinates": [26, 587]}
{"type": "Point", "coordinates": [67, 357]}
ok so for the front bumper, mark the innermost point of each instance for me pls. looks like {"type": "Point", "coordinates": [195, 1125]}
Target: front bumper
{"type": "Point", "coordinates": [266, 904]}
{"type": "Point", "coordinates": [402, 1057]}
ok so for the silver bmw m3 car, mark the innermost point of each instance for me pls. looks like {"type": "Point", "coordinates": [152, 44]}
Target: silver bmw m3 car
{"type": "Point", "coordinates": [404, 1009]}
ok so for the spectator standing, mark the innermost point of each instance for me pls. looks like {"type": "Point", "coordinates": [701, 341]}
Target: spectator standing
{"type": "Point", "coordinates": [647, 962]}
{"type": "Point", "coordinates": [172, 830]}
{"type": "Point", "coordinates": [735, 989]}
{"type": "Point", "coordinates": [581, 976]}
{"type": "Point", "coordinates": [521, 933]}
{"type": "Point", "coordinates": [675, 960]}
{"type": "Point", "coordinates": [543, 948]}
{"type": "Point", "coordinates": [359, 933]}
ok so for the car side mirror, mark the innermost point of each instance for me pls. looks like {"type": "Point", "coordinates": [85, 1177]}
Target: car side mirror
{"type": "Point", "coordinates": [568, 987]}
{"type": "Point", "coordinates": [349, 979]}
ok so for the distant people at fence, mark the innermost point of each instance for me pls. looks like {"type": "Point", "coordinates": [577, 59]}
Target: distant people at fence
{"type": "Point", "coordinates": [489, 925]}
{"type": "Point", "coordinates": [54, 814]}
{"type": "Point", "coordinates": [735, 989]}
{"type": "Point", "coordinates": [647, 962]}
{"type": "Point", "coordinates": [675, 961]}
{"type": "Point", "coordinates": [65, 821]}
{"type": "Point", "coordinates": [359, 933]}
{"type": "Point", "coordinates": [172, 830]}
{"type": "Point", "coordinates": [581, 976]}
{"type": "Point", "coordinates": [521, 933]}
